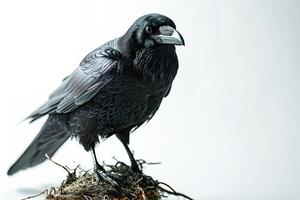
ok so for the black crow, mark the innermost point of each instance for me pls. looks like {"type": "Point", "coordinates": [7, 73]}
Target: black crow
{"type": "Point", "coordinates": [116, 88]}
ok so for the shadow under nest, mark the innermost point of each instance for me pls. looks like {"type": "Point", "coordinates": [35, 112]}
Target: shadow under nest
{"type": "Point", "coordinates": [82, 185]}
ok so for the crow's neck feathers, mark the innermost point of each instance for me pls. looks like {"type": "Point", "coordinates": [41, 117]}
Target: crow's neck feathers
{"type": "Point", "coordinates": [157, 64]}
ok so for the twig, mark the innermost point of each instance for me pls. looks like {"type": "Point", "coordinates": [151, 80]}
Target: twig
{"type": "Point", "coordinates": [173, 192]}
{"type": "Point", "coordinates": [64, 167]}
{"type": "Point", "coordinates": [34, 196]}
{"type": "Point", "coordinates": [138, 181]}
{"type": "Point", "coordinates": [106, 197]}
{"type": "Point", "coordinates": [141, 161]}
{"type": "Point", "coordinates": [143, 194]}
{"type": "Point", "coordinates": [71, 175]}
{"type": "Point", "coordinates": [87, 197]}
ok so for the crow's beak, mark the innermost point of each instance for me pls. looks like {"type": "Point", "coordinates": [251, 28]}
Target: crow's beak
{"type": "Point", "coordinates": [168, 35]}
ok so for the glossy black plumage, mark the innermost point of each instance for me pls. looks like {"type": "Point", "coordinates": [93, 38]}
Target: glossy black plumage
{"type": "Point", "coordinates": [116, 88]}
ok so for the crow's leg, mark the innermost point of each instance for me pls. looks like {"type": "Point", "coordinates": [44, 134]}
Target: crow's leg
{"type": "Point", "coordinates": [100, 172]}
{"type": "Point", "coordinates": [134, 165]}
{"type": "Point", "coordinates": [124, 138]}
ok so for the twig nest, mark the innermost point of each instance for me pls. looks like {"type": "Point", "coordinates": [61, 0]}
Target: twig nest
{"type": "Point", "coordinates": [83, 186]}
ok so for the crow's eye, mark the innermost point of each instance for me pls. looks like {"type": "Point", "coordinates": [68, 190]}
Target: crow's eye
{"type": "Point", "coordinates": [149, 29]}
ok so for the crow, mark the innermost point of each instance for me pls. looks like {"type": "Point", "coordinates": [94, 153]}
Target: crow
{"type": "Point", "coordinates": [116, 88]}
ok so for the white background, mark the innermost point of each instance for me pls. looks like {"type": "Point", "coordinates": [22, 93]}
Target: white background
{"type": "Point", "coordinates": [229, 130]}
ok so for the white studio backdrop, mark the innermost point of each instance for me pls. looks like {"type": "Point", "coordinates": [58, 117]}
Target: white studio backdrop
{"type": "Point", "coordinates": [229, 129]}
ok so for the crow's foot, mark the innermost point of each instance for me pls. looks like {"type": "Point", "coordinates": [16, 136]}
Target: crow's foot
{"type": "Point", "coordinates": [101, 174]}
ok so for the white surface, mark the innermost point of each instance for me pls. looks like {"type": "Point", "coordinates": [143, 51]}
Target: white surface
{"type": "Point", "coordinates": [230, 127]}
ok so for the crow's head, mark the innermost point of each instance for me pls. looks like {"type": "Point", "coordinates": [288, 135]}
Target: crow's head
{"type": "Point", "coordinates": [150, 30]}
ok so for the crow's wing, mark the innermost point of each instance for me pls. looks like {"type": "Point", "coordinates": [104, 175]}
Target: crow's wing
{"type": "Point", "coordinates": [95, 71]}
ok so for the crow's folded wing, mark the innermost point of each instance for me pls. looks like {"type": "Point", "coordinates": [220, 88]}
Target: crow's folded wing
{"type": "Point", "coordinates": [95, 71]}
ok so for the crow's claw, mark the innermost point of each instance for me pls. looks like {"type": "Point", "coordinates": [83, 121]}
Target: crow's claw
{"type": "Point", "coordinates": [100, 174]}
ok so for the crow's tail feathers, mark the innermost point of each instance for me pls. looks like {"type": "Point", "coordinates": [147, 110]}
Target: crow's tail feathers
{"type": "Point", "coordinates": [52, 135]}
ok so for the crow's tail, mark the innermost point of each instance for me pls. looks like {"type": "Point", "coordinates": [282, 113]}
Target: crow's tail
{"type": "Point", "coordinates": [52, 135]}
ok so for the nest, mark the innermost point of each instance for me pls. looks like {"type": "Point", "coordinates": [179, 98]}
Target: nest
{"type": "Point", "coordinates": [82, 185]}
